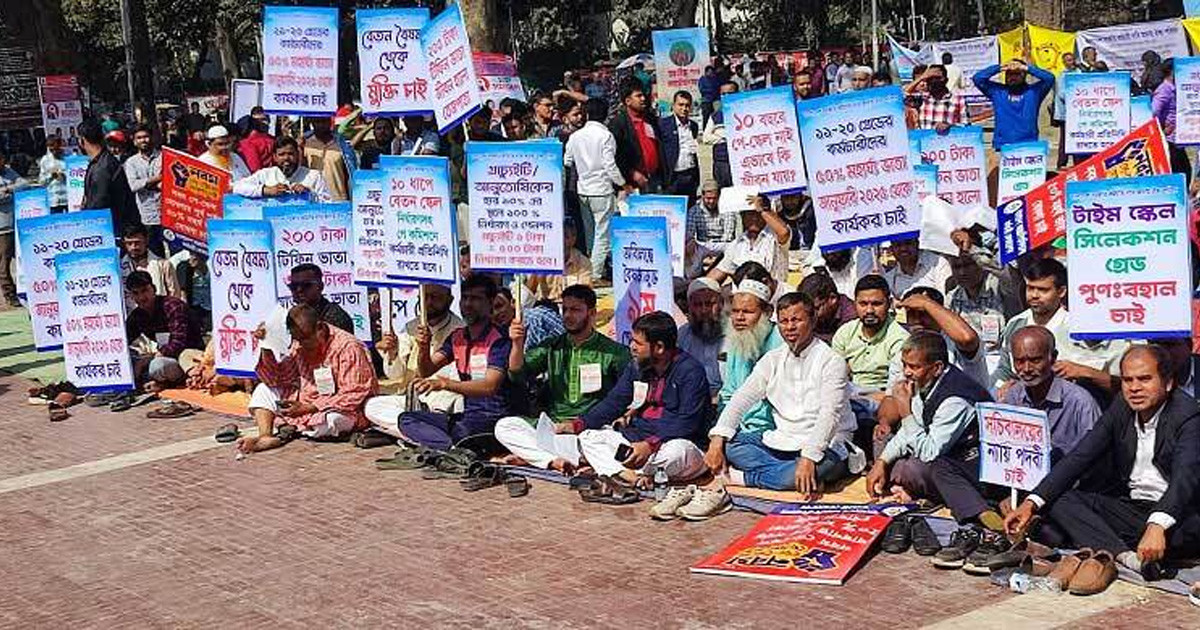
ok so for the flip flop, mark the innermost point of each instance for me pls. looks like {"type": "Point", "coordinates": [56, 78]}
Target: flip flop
{"type": "Point", "coordinates": [372, 439]}
{"type": "Point", "coordinates": [227, 433]}
{"type": "Point", "coordinates": [518, 486]}
{"type": "Point", "coordinates": [101, 400]}
{"type": "Point", "coordinates": [286, 433]}
{"type": "Point", "coordinates": [172, 410]}
{"type": "Point", "coordinates": [58, 412]}
{"type": "Point", "coordinates": [482, 475]}
{"type": "Point", "coordinates": [610, 491]}
{"type": "Point", "coordinates": [409, 459]}
{"type": "Point", "coordinates": [453, 464]}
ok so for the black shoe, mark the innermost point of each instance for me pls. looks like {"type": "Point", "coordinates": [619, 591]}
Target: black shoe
{"type": "Point", "coordinates": [924, 541]}
{"type": "Point", "coordinates": [898, 535]}
{"type": "Point", "coordinates": [990, 544]}
{"type": "Point", "coordinates": [962, 543]}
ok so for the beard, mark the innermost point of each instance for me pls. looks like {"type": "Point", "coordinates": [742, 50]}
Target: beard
{"type": "Point", "coordinates": [747, 344]}
{"type": "Point", "coordinates": [706, 330]}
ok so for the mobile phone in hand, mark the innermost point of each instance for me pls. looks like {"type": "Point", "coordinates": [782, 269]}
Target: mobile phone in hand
{"type": "Point", "coordinates": [623, 452]}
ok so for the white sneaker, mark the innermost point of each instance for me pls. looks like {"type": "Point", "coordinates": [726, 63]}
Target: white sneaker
{"type": "Point", "coordinates": [676, 498]}
{"type": "Point", "coordinates": [706, 504]}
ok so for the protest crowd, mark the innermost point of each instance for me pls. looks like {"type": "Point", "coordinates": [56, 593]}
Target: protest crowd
{"type": "Point", "coordinates": [804, 278]}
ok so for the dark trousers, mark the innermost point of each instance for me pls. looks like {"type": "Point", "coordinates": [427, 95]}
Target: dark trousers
{"type": "Point", "coordinates": [685, 183]}
{"type": "Point", "coordinates": [1101, 521]}
{"type": "Point", "coordinates": [8, 287]}
{"type": "Point", "coordinates": [957, 480]}
{"type": "Point", "coordinates": [722, 173]}
{"type": "Point", "coordinates": [440, 431]}
{"type": "Point", "coordinates": [156, 243]}
{"type": "Point", "coordinates": [706, 112]}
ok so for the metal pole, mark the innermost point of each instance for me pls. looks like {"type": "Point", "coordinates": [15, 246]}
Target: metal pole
{"type": "Point", "coordinates": [127, 35]}
{"type": "Point", "coordinates": [875, 35]}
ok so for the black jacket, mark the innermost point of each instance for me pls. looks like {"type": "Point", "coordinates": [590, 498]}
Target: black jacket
{"type": "Point", "coordinates": [629, 152]}
{"type": "Point", "coordinates": [1104, 458]}
{"type": "Point", "coordinates": [105, 186]}
{"type": "Point", "coordinates": [668, 141]}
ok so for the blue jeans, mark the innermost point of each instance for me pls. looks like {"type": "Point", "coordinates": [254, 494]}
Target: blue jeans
{"type": "Point", "coordinates": [596, 213]}
{"type": "Point", "coordinates": [776, 470]}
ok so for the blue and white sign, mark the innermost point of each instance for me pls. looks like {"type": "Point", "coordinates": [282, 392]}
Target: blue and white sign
{"type": "Point", "coordinates": [516, 200]}
{"type": "Point", "coordinates": [674, 209]}
{"type": "Point", "coordinates": [642, 281]}
{"type": "Point", "coordinates": [95, 348]}
{"type": "Point", "coordinates": [242, 272]}
{"type": "Point", "coordinates": [300, 64]}
{"type": "Point", "coordinates": [393, 73]}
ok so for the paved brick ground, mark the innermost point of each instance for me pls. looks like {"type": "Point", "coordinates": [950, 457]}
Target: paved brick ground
{"type": "Point", "coordinates": [314, 536]}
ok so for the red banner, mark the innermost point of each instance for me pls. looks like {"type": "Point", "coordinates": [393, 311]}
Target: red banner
{"type": "Point", "coordinates": [192, 193]}
{"type": "Point", "coordinates": [814, 543]}
{"type": "Point", "coordinates": [1142, 152]}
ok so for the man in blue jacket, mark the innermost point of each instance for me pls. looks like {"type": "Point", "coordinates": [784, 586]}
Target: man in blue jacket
{"type": "Point", "coordinates": [1016, 101]}
{"type": "Point", "coordinates": [659, 409]}
{"type": "Point", "coordinates": [679, 138]}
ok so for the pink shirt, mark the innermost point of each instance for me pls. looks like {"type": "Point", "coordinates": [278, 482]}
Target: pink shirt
{"type": "Point", "coordinates": [353, 377]}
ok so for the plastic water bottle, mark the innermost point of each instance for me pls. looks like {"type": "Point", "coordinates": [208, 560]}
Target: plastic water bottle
{"type": "Point", "coordinates": [1022, 583]}
{"type": "Point", "coordinates": [660, 484]}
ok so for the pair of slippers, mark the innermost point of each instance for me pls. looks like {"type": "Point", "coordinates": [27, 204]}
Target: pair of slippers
{"type": "Point", "coordinates": [483, 475]}
{"type": "Point", "coordinates": [606, 490]}
{"type": "Point", "coordinates": [173, 409]}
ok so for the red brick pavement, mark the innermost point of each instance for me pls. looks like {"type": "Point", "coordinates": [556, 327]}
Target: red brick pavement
{"type": "Point", "coordinates": [314, 536]}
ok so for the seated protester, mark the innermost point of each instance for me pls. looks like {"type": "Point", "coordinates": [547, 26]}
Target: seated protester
{"type": "Point", "coordinates": [916, 267]}
{"type": "Point", "coordinates": [765, 240]}
{"type": "Point", "coordinates": [870, 344]}
{"type": "Point", "coordinates": [1129, 486]}
{"type": "Point", "coordinates": [318, 388]}
{"type": "Point", "coordinates": [658, 409]}
{"type": "Point", "coordinates": [307, 284]}
{"type": "Point", "coordinates": [194, 282]}
{"type": "Point", "coordinates": [708, 231]}
{"type": "Point", "coordinates": [287, 177]}
{"type": "Point", "coordinates": [924, 310]}
{"type": "Point", "coordinates": [479, 351]}
{"type": "Point", "coordinates": [578, 269]}
{"type": "Point", "coordinates": [833, 308]}
{"type": "Point", "coordinates": [138, 257]}
{"type": "Point", "coordinates": [749, 334]}
{"type": "Point", "coordinates": [579, 367]}
{"type": "Point", "coordinates": [804, 384]}
{"type": "Point", "coordinates": [702, 336]}
{"type": "Point", "coordinates": [844, 266]}
{"type": "Point", "coordinates": [942, 400]}
{"type": "Point", "coordinates": [541, 320]}
{"type": "Point", "coordinates": [1090, 364]}
{"type": "Point", "coordinates": [399, 355]}
{"type": "Point", "coordinates": [1070, 414]}
{"type": "Point", "coordinates": [158, 329]}
{"type": "Point", "coordinates": [976, 297]}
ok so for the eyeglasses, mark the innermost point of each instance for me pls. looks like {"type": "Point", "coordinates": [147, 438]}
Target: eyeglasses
{"type": "Point", "coordinates": [301, 285]}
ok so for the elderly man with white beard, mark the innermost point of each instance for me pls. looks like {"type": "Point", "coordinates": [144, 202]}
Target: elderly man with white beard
{"type": "Point", "coordinates": [803, 381]}
{"type": "Point", "coordinates": [749, 334]}
{"type": "Point", "coordinates": [702, 335]}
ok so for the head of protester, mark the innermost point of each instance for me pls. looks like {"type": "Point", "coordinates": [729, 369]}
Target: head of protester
{"type": "Point", "coordinates": [478, 300]}
{"type": "Point", "coordinates": [860, 78]}
{"type": "Point", "coordinates": [796, 315]}
{"type": "Point", "coordinates": [1045, 288]}
{"type": "Point", "coordinates": [872, 302]}
{"type": "Point", "coordinates": [140, 288]}
{"type": "Point", "coordinates": [287, 155]}
{"type": "Point", "coordinates": [749, 324]}
{"type": "Point", "coordinates": [219, 141]}
{"type": "Point", "coordinates": [307, 330]}
{"type": "Point", "coordinates": [307, 285]}
{"type": "Point", "coordinates": [704, 309]}
{"type": "Point", "coordinates": [924, 357]}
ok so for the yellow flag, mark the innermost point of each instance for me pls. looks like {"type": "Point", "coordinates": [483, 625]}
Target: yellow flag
{"type": "Point", "coordinates": [1012, 44]}
{"type": "Point", "coordinates": [1048, 47]}
{"type": "Point", "coordinates": [1192, 26]}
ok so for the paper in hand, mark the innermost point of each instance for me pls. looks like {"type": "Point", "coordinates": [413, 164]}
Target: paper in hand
{"type": "Point", "coordinates": [734, 199]}
{"type": "Point", "coordinates": [278, 339]}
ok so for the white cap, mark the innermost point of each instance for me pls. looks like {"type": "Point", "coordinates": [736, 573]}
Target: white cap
{"type": "Point", "coordinates": [753, 287]}
{"type": "Point", "coordinates": [217, 131]}
{"type": "Point", "coordinates": [703, 284]}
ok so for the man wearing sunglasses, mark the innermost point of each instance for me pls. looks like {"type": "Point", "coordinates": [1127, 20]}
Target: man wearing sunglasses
{"type": "Point", "coordinates": [307, 285]}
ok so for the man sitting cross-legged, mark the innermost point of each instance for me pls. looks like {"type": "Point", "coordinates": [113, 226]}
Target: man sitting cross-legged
{"type": "Point", "coordinates": [480, 353]}
{"type": "Point", "coordinates": [943, 420]}
{"type": "Point", "coordinates": [658, 410]}
{"type": "Point", "coordinates": [158, 329]}
{"type": "Point", "coordinates": [580, 367]}
{"type": "Point", "coordinates": [1129, 489]}
{"type": "Point", "coordinates": [319, 388]}
{"type": "Point", "coordinates": [804, 383]}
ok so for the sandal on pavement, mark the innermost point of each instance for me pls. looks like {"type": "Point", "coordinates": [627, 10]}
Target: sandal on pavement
{"type": "Point", "coordinates": [409, 459]}
{"type": "Point", "coordinates": [482, 475]}
{"type": "Point", "coordinates": [227, 433]}
{"type": "Point", "coordinates": [453, 464]}
{"type": "Point", "coordinates": [372, 439]}
{"type": "Point", "coordinates": [101, 400]}
{"type": "Point", "coordinates": [172, 410]}
{"type": "Point", "coordinates": [609, 491]}
{"type": "Point", "coordinates": [58, 412]}
{"type": "Point", "coordinates": [518, 486]}
{"type": "Point", "coordinates": [286, 433]}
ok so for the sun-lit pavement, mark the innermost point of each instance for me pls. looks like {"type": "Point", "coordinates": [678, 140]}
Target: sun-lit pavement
{"type": "Point", "coordinates": [313, 536]}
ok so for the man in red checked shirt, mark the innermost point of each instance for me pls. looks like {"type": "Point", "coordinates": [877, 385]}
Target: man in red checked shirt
{"type": "Point", "coordinates": [318, 389]}
{"type": "Point", "coordinates": [941, 108]}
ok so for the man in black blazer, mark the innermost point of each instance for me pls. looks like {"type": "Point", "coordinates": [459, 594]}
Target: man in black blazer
{"type": "Point", "coordinates": [635, 128]}
{"type": "Point", "coordinates": [678, 135]}
{"type": "Point", "coordinates": [1138, 472]}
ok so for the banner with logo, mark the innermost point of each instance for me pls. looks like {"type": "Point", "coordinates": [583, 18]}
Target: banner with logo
{"type": "Point", "coordinates": [962, 166]}
{"type": "Point", "coordinates": [860, 176]}
{"type": "Point", "coordinates": [1047, 47]}
{"type": "Point", "coordinates": [242, 275]}
{"type": "Point", "coordinates": [1143, 152]}
{"type": "Point", "coordinates": [393, 73]}
{"type": "Point", "coordinates": [642, 276]}
{"type": "Point", "coordinates": [192, 193]}
{"type": "Point", "coordinates": [300, 64]}
{"type": "Point", "coordinates": [1011, 44]}
{"type": "Point", "coordinates": [1122, 46]}
{"type": "Point", "coordinates": [1187, 100]}
{"type": "Point", "coordinates": [62, 111]}
{"type": "Point", "coordinates": [77, 166]}
{"type": "Point", "coordinates": [92, 303]}
{"type": "Point", "coordinates": [763, 140]}
{"type": "Point", "coordinates": [498, 80]}
{"type": "Point", "coordinates": [1129, 272]}
{"type": "Point", "coordinates": [451, 69]}
{"type": "Point", "coordinates": [422, 240]}
{"type": "Point", "coordinates": [516, 201]}
{"type": "Point", "coordinates": [1022, 168]}
{"type": "Point", "coordinates": [1014, 445]}
{"type": "Point", "coordinates": [319, 234]}
{"type": "Point", "coordinates": [1097, 110]}
{"type": "Point", "coordinates": [674, 209]}
{"type": "Point", "coordinates": [680, 55]}
{"type": "Point", "coordinates": [42, 238]}
{"type": "Point", "coordinates": [905, 59]}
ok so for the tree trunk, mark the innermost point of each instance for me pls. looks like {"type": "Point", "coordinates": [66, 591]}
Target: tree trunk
{"type": "Point", "coordinates": [230, 68]}
{"type": "Point", "coordinates": [1047, 13]}
{"type": "Point", "coordinates": [685, 13]}
{"type": "Point", "coordinates": [143, 61]}
{"type": "Point", "coordinates": [486, 24]}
